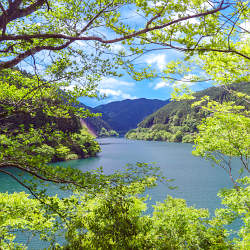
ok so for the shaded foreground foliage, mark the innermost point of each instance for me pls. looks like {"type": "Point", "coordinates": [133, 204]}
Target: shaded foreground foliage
{"type": "Point", "coordinates": [40, 122]}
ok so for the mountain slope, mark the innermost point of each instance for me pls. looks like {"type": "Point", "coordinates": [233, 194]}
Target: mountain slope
{"type": "Point", "coordinates": [125, 115]}
{"type": "Point", "coordinates": [177, 121]}
{"type": "Point", "coordinates": [94, 124]}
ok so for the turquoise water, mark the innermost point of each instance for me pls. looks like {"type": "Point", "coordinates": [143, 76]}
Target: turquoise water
{"type": "Point", "coordinates": [198, 182]}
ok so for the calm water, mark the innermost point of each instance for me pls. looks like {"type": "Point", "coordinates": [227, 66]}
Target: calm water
{"type": "Point", "coordinates": [197, 181]}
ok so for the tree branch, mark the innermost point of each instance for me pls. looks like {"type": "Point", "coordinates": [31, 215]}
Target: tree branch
{"type": "Point", "coordinates": [33, 193]}
{"type": "Point", "coordinates": [15, 165]}
{"type": "Point", "coordinates": [33, 51]}
{"type": "Point", "coordinates": [13, 12]}
{"type": "Point", "coordinates": [198, 49]}
{"type": "Point", "coordinates": [20, 182]}
{"type": "Point", "coordinates": [99, 39]}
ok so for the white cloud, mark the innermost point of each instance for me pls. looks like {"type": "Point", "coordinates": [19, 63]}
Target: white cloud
{"type": "Point", "coordinates": [110, 92]}
{"type": "Point", "coordinates": [116, 47]}
{"type": "Point", "coordinates": [245, 26]}
{"type": "Point", "coordinates": [207, 5]}
{"type": "Point", "coordinates": [185, 80]}
{"type": "Point", "coordinates": [159, 60]}
{"type": "Point", "coordinates": [157, 4]}
{"type": "Point", "coordinates": [114, 89]}
{"type": "Point", "coordinates": [191, 20]}
{"type": "Point", "coordinates": [81, 43]}
{"type": "Point", "coordinates": [160, 85]}
{"type": "Point", "coordinates": [112, 83]}
{"type": "Point", "coordinates": [116, 94]}
{"type": "Point", "coordinates": [68, 88]}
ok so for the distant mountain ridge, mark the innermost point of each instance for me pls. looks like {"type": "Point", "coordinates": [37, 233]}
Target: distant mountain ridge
{"type": "Point", "coordinates": [125, 115]}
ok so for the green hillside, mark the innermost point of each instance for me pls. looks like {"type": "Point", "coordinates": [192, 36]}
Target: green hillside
{"type": "Point", "coordinates": [177, 121]}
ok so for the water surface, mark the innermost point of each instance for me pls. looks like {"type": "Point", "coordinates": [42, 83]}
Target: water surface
{"type": "Point", "coordinates": [198, 182]}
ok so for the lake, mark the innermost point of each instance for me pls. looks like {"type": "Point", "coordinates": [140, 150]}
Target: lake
{"type": "Point", "coordinates": [198, 182]}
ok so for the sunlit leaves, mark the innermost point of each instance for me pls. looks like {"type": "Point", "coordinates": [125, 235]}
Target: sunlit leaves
{"type": "Point", "coordinates": [108, 214]}
{"type": "Point", "coordinates": [223, 135]}
{"type": "Point", "coordinates": [237, 204]}
{"type": "Point", "coordinates": [19, 212]}
{"type": "Point", "coordinates": [224, 131]}
{"type": "Point", "coordinates": [226, 68]}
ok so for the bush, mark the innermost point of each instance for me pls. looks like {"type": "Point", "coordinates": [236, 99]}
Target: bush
{"type": "Point", "coordinates": [176, 137]}
{"type": "Point", "coordinates": [71, 157]}
{"type": "Point", "coordinates": [62, 151]}
{"type": "Point", "coordinates": [188, 138]}
{"type": "Point", "coordinates": [45, 150]}
{"type": "Point", "coordinates": [107, 133]}
{"type": "Point", "coordinates": [116, 221]}
{"type": "Point", "coordinates": [85, 142]}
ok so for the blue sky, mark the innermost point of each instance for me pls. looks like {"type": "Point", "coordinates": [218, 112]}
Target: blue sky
{"type": "Point", "coordinates": [125, 87]}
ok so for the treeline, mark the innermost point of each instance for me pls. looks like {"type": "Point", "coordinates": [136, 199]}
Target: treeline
{"type": "Point", "coordinates": [155, 133]}
{"type": "Point", "coordinates": [108, 133]}
{"type": "Point", "coordinates": [124, 115]}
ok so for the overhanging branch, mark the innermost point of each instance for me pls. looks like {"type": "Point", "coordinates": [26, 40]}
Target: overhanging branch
{"type": "Point", "coordinates": [70, 39]}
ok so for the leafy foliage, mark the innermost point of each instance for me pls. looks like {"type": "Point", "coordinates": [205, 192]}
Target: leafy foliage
{"type": "Point", "coordinates": [114, 219]}
{"type": "Point", "coordinates": [105, 133]}
{"type": "Point", "coordinates": [19, 212]}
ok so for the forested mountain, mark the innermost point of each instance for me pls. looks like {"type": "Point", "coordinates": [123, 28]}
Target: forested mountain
{"type": "Point", "coordinates": [177, 121]}
{"type": "Point", "coordinates": [94, 124]}
{"type": "Point", "coordinates": [125, 115]}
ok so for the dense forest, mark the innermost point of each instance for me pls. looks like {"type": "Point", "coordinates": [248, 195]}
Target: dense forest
{"type": "Point", "coordinates": [118, 117]}
{"type": "Point", "coordinates": [178, 120]}
{"type": "Point", "coordinates": [96, 124]}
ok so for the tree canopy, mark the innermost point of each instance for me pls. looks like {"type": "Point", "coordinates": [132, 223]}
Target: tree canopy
{"type": "Point", "coordinates": [31, 27]}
